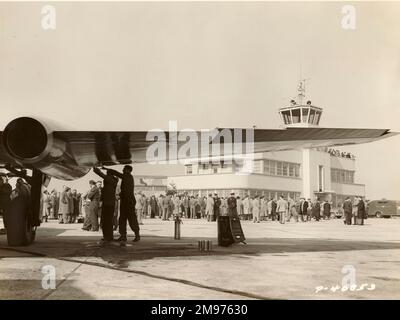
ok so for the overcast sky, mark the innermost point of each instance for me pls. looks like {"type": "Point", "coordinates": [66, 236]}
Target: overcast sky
{"type": "Point", "coordinates": [135, 66]}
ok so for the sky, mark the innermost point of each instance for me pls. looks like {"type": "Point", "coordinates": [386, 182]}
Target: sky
{"type": "Point", "coordinates": [136, 66]}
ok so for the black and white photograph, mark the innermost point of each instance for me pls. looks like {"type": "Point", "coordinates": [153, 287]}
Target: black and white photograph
{"type": "Point", "coordinates": [213, 152]}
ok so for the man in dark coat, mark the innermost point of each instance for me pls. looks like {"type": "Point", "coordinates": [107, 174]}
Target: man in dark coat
{"type": "Point", "coordinates": [361, 212]}
{"type": "Point", "coordinates": [128, 203]}
{"type": "Point", "coordinates": [348, 210]}
{"type": "Point", "coordinates": [75, 201]}
{"type": "Point", "coordinates": [217, 204]}
{"type": "Point", "coordinates": [316, 210]}
{"type": "Point", "coordinates": [303, 209]}
{"type": "Point", "coordinates": [108, 203]}
{"type": "Point", "coordinates": [5, 193]}
{"type": "Point", "coordinates": [232, 206]}
{"type": "Point", "coordinates": [154, 207]}
{"type": "Point", "coordinates": [326, 209]}
{"type": "Point", "coordinates": [274, 205]}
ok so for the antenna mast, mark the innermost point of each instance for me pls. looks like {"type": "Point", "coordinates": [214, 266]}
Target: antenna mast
{"type": "Point", "coordinates": [302, 91]}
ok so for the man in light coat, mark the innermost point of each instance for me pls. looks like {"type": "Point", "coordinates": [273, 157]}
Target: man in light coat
{"type": "Point", "coordinates": [291, 208]}
{"type": "Point", "coordinates": [281, 209]}
{"type": "Point", "coordinates": [140, 204]}
{"type": "Point", "coordinates": [210, 207]}
{"type": "Point", "coordinates": [64, 213]}
{"type": "Point", "coordinates": [256, 209]}
{"type": "Point", "coordinates": [246, 207]}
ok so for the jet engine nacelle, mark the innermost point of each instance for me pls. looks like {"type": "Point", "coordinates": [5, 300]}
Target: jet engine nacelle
{"type": "Point", "coordinates": [32, 144]}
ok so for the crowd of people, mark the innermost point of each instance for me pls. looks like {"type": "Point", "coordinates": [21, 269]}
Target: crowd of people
{"type": "Point", "coordinates": [111, 203]}
{"type": "Point", "coordinates": [70, 206]}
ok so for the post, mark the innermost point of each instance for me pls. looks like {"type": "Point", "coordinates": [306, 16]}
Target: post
{"type": "Point", "coordinates": [178, 221]}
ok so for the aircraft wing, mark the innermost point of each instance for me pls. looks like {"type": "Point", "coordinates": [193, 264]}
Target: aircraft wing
{"type": "Point", "coordinates": [70, 154]}
{"type": "Point", "coordinates": [110, 148]}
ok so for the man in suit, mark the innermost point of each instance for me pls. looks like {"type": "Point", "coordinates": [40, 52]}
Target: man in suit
{"type": "Point", "coordinates": [108, 203]}
{"type": "Point", "coordinates": [127, 205]}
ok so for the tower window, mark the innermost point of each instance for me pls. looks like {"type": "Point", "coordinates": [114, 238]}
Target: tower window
{"type": "Point", "coordinates": [296, 115]}
{"type": "Point", "coordinates": [317, 116]}
{"type": "Point", "coordinates": [305, 112]}
{"type": "Point", "coordinates": [312, 115]}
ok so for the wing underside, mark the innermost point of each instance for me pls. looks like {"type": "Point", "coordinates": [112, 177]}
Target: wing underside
{"type": "Point", "coordinates": [71, 154]}
{"type": "Point", "coordinates": [110, 148]}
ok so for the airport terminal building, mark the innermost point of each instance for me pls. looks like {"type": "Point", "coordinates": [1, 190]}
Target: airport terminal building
{"type": "Point", "coordinates": [324, 173]}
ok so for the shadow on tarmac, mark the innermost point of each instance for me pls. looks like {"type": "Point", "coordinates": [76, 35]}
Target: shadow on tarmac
{"type": "Point", "coordinates": [33, 290]}
{"type": "Point", "coordinates": [151, 247]}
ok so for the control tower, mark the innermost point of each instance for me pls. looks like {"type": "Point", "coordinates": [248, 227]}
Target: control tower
{"type": "Point", "coordinates": [301, 113]}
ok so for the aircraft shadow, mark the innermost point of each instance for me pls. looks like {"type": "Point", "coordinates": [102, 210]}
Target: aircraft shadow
{"type": "Point", "coordinates": [50, 243]}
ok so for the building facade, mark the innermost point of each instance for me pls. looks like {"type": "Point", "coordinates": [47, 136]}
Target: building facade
{"type": "Point", "coordinates": [310, 173]}
{"type": "Point", "coordinates": [295, 173]}
{"type": "Point", "coordinates": [151, 185]}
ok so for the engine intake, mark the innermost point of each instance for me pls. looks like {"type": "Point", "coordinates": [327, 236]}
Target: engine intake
{"type": "Point", "coordinates": [25, 138]}
{"type": "Point", "coordinates": [31, 144]}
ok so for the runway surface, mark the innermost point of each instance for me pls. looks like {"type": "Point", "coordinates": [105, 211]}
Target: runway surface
{"type": "Point", "coordinates": [290, 261]}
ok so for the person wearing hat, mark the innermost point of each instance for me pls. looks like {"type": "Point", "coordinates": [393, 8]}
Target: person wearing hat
{"type": "Point", "coordinates": [128, 203]}
{"type": "Point", "coordinates": [232, 206]}
{"type": "Point", "coordinates": [64, 213]}
{"type": "Point", "coordinates": [93, 199]}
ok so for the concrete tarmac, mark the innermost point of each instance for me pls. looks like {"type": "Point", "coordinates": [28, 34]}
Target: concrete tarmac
{"type": "Point", "coordinates": [291, 261]}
